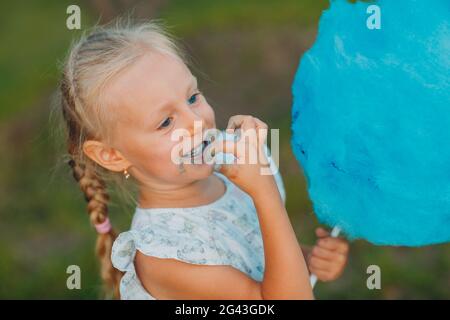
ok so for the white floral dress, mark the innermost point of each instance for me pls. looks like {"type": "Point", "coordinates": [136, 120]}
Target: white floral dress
{"type": "Point", "coordinates": [225, 232]}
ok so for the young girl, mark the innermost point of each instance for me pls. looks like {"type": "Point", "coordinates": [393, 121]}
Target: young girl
{"type": "Point", "coordinates": [196, 233]}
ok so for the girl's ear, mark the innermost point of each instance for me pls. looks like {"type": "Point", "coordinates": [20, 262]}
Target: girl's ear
{"type": "Point", "coordinates": [105, 156]}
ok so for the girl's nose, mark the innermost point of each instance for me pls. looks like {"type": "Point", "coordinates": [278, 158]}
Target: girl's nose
{"type": "Point", "coordinates": [193, 122]}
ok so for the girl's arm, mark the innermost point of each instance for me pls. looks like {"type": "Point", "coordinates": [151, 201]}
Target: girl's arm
{"type": "Point", "coordinates": [286, 275]}
{"type": "Point", "coordinates": [171, 279]}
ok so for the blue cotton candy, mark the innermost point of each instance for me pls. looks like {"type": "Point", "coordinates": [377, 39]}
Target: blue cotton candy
{"type": "Point", "coordinates": [371, 121]}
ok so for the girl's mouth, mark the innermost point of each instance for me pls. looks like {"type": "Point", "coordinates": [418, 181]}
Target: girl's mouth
{"type": "Point", "coordinates": [198, 150]}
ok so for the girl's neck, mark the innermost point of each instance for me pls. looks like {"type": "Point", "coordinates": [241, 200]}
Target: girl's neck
{"type": "Point", "coordinates": [198, 193]}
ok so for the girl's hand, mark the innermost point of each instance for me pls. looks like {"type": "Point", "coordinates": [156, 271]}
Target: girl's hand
{"type": "Point", "coordinates": [328, 257]}
{"type": "Point", "coordinates": [247, 170]}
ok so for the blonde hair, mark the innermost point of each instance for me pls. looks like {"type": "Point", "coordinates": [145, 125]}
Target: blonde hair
{"type": "Point", "coordinates": [92, 62]}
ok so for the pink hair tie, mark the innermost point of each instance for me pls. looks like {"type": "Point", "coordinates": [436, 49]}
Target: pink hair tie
{"type": "Point", "coordinates": [103, 227]}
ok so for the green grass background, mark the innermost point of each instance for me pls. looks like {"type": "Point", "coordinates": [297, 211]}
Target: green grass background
{"type": "Point", "coordinates": [246, 53]}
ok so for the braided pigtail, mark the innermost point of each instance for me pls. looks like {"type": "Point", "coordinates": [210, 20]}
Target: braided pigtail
{"type": "Point", "coordinates": [97, 198]}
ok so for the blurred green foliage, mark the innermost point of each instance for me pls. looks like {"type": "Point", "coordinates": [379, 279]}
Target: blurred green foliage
{"type": "Point", "coordinates": [247, 52]}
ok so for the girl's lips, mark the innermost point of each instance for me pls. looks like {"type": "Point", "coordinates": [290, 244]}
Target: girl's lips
{"type": "Point", "coordinates": [198, 150]}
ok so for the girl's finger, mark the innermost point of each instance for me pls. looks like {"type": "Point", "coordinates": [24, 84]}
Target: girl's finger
{"type": "Point", "coordinates": [261, 123]}
{"type": "Point", "coordinates": [342, 246]}
{"type": "Point", "coordinates": [232, 122]}
{"type": "Point", "coordinates": [334, 244]}
{"type": "Point", "coordinates": [324, 253]}
{"type": "Point", "coordinates": [322, 233]}
{"type": "Point", "coordinates": [248, 137]}
{"type": "Point", "coordinates": [322, 275]}
{"type": "Point", "coordinates": [250, 128]}
{"type": "Point", "coordinates": [261, 131]}
{"type": "Point", "coordinates": [248, 123]}
{"type": "Point", "coordinates": [319, 263]}
{"type": "Point", "coordinates": [252, 132]}
{"type": "Point", "coordinates": [236, 121]}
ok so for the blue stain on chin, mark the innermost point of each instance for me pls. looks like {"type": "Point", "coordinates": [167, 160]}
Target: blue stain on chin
{"type": "Point", "coordinates": [371, 121]}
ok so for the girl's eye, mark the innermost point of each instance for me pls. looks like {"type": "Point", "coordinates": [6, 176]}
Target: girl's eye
{"type": "Point", "coordinates": [166, 123]}
{"type": "Point", "coordinates": [193, 98]}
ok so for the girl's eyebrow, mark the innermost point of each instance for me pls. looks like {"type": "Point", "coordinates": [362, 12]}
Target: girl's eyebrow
{"type": "Point", "coordinates": [193, 83]}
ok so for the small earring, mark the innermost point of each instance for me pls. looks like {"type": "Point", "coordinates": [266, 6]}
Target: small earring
{"type": "Point", "coordinates": [126, 174]}
{"type": "Point", "coordinates": [181, 168]}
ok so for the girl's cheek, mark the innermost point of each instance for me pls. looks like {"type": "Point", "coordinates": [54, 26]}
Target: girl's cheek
{"type": "Point", "coordinates": [167, 153]}
{"type": "Point", "coordinates": [209, 114]}
{"type": "Point", "coordinates": [158, 162]}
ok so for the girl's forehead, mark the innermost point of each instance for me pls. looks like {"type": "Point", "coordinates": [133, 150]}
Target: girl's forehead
{"type": "Point", "coordinates": [150, 82]}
